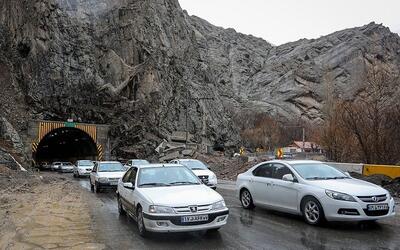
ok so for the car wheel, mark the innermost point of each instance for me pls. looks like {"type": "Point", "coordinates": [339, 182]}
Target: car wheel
{"type": "Point", "coordinates": [96, 188]}
{"type": "Point", "coordinates": [312, 211]}
{"type": "Point", "coordinates": [246, 199]}
{"type": "Point", "coordinates": [140, 223]}
{"type": "Point", "coordinates": [75, 176]}
{"type": "Point", "coordinates": [121, 209]}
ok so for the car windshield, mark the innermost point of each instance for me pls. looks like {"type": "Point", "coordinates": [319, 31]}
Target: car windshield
{"type": "Point", "coordinates": [166, 176]}
{"type": "Point", "coordinates": [318, 171]}
{"type": "Point", "coordinates": [67, 163]}
{"type": "Point", "coordinates": [194, 164]}
{"type": "Point", "coordinates": [111, 167]}
{"type": "Point", "coordinates": [140, 162]}
{"type": "Point", "coordinates": [85, 163]}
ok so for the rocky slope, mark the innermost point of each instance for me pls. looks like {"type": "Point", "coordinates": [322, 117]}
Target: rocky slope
{"type": "Point", "coordinates": [140, 64]}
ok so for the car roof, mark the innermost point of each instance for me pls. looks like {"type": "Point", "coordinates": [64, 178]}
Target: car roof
{"type": "Point", "coordinates": [159, 165]}
{"type": "Point", "coordinates": [186, 160]}
{"type": "Point", "coordinates": [109, 162]}
{"type": "Point", "coordinates": [290, 162]}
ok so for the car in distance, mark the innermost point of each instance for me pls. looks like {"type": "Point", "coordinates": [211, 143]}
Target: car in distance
{"type": "Point", "coordinates": [201, 170]}
{"type": "Point", "coordinates": [105, 174]}
{"type": "Point", "coordinates": [314, 190]}
{"type": "Point", "coordinates": [55, 166]}
{"type": "Point", "coordinates": [135, 162]}
{"type": "Point", "coordinates": [45, 166]}
{"type": "Point", "coordinates": [169, 198]}
{"type": "Point", "coordinates": [66, 167]}
{"type": "Point", "coordinates": [83, 168]}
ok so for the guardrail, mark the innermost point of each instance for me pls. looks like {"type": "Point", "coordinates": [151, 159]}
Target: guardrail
{"type": "Point", "coordinates": [368, 169]}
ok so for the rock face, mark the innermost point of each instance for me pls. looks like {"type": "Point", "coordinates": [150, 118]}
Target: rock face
{"type": "Point", "coordinates": [143, 66]}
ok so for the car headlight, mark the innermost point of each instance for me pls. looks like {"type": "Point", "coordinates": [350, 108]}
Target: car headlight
{"type": "Point", "coordinates": [103, 179]}
{"type": "Point", "coordinates": [161, 210]}
{"type": "Point", "coordinates": [339, 196]}
{"type": "Point", "coordinates": [218, 205]}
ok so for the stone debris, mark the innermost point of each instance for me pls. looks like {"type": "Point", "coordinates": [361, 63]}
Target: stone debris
{"type": "Point", "coordinates": [176, 147]}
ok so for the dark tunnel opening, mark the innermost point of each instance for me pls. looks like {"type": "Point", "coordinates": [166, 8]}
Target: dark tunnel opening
{"type": "Point", "coordinates": [66, 144]}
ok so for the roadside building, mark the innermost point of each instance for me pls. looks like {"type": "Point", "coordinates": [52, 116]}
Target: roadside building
{"type": "Point", "coordinates": [299, 146]}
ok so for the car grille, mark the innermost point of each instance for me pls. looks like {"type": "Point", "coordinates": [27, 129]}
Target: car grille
{"type": "Point", "coordinates": [113, 179]}
{"type": "Point", "coordinates": [186, 209]}
{"type": "Point", "coordinates": [376, 213]}
{"type": "Point", "coordinates": [204, 178]}
{"type": "Point", "coordinates": [373, 198]}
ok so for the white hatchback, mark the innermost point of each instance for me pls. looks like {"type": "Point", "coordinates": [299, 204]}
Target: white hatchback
{"type": "Point", "coordinates": [314, 190]}
{"type": "Point", "coordinates": [169, 198]}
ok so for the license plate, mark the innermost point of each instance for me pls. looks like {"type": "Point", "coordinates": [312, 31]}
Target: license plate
{"type": "Point", "coordinates": [194, 218]}
{"type": "Point", "coordinates": [113, 183]}
{"type": "Point", "coordinates": [377, 207]}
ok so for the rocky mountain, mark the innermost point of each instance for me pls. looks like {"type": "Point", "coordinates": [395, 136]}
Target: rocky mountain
{"type": "Point", "coordinates": [144, 66]}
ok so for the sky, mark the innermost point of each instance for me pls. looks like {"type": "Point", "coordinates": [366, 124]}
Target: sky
{"type": "Point", "coordinates": [282, 21]}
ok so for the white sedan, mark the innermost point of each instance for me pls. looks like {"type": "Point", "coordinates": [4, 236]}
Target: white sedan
{"type": "Point", "coordinates": [314, 190]}
{"type": "Point", "coordinates": [169, 198]}
{"type": "Point", "coordinates": [105, 174]}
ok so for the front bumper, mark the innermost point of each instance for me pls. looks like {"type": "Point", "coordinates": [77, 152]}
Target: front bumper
{"type": "Point", "coordinates": [331, 209]}
{"type": "Point", "coordinates": [67, 170]}
{"type": "Point", "coordinates": [172, 223]}
{"type": "Point", "coordinates": [83, 172]}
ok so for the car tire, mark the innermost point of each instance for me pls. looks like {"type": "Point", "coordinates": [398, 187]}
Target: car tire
{"type": "Point", "coordinates": [312, 210]}
{"type": "Point", "coordinates": [140, 223]}
{"type": "Point", "coordinates": [121, 209]}
{"type": "Point", "coordinates": [246, 199]}
{"type": "Point", "coordinates": [75, 176]}
{"type": "Point", "coordinates": [96, 188]}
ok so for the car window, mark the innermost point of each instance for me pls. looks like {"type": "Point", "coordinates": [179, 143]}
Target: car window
{"type": "Point", "coordinates": [264, 170]}
{"type": "Point", "coordinates": [127, 176]}
{"type": "Point", "coordinates": [280, 170]}
{"type": "Point", "coordinates": [132, 177]}
{"type": "Point", "coordinates": [166, 176]}
{"type": "Point", "coordinates": [318, 171]}
{"type": "Point", "coordinates": [194, 164]}
{"type": "Point", "coordinates": [111, 167]}
{"type": "Point", "coordinates": [95, 168]}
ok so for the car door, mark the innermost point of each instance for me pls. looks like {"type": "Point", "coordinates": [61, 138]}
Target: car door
{"type": "Point", "coordinates": [121, 189]}
{"type": "Point", "coordinates": [130, 195]}
{"type": "Point", "coordinates": [285, 193]}
{"type": "Point", "coordinates": [261, 184]}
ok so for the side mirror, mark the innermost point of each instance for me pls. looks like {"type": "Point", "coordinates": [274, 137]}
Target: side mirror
{"type": "Point", "coordinates": [288, 177]}
{"type": "Point", "coordinates": [129, 185]}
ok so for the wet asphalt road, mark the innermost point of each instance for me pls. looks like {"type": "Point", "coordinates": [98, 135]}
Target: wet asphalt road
{"type": "Point", "coordinates": [257, 229]}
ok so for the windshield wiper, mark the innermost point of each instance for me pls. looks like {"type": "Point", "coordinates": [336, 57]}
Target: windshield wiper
{"type": "Point", "coordinates": [198, 169]}
{"type": "Point", "coordinates": [316, 178]}
{"type": "Point", "coordinates": [154, 184]}
{"type": "Point", "coordinates": [183, 183]}
{"type": "Point", "coordinates": [337, 177]}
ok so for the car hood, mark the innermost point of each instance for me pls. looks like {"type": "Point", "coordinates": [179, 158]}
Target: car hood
{"type": "Point", "coordinates": [202, 172]}
{"type": "Point", "coordinates": [111, 174]}
{"type": "Point", "coordinates": [179, 196]}
{"type": "Point", "coordinates": [349, 186]}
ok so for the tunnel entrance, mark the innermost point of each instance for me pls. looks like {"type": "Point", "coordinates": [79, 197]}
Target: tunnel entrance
{"type": "Point", "coordinates": [65, 144]}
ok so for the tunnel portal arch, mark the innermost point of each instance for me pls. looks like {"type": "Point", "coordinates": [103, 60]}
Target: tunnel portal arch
{"type": "Point", "coordinates": [67, 141]}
